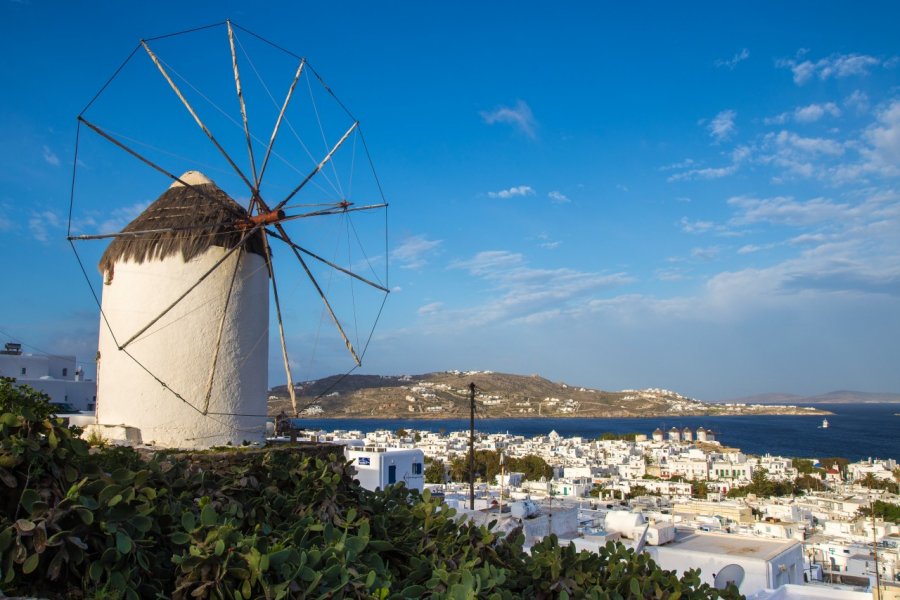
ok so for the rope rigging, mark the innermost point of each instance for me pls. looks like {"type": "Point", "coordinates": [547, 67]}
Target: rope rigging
{"type": "Point", "coordinates": [261, 219]}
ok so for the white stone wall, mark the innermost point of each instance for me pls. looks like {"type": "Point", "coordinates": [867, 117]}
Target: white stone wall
{"type": "Point", "coordinates": [179, 351]}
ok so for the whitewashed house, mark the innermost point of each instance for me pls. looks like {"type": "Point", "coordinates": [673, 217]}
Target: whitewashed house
{"type": "Point", "coordinates": [57, 376]}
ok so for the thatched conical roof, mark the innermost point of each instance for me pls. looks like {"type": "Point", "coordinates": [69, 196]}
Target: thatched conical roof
{"type": "Point", "coordinates": [185, 220]}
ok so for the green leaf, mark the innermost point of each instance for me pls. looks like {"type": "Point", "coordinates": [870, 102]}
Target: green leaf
{"type": "Point", "coordinates": [208, 516]}
{"type": "Point", "coordinates": [220, 548]}
{"type": "Point", "coordinates": [107, 493]}
{"type": "Point", "coordinates": [188, 521]}
{"type": "Point", "coordinates": [31, 563]}
{"type": "Point", "coordinates": [180, 538]}
{"type": "Point", "coordinates": [29, 497]}
{"type": "Point", "coordinates": [87, 517]}
{"type": "Point", "coordinates": [635, 587]}
{"type": "Point", "coordinates": [123, 542]}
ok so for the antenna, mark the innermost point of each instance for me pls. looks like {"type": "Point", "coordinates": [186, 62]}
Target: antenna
{"type": "Point", "coordinates": [729, 574]}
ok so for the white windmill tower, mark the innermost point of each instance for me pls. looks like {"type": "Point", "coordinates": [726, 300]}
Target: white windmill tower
{"type": "Point", "coordinates": [183, 350]}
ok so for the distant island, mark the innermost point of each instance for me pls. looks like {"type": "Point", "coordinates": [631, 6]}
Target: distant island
{"type": "Point", "coordinates": [839, 397]}
{"type": "Point", "coordinates": [445, 395]}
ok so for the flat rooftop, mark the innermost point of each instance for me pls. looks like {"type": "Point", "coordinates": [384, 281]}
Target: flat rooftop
{"type": "Point", "coordinates": [731, 544]}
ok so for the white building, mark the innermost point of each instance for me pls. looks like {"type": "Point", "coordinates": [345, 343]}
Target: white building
{"type": "Point", "coordinates": [765, 563]}
{"type": "Point", "coordinates": [183, 351]}
{"type": "Point", "coordinates": [377, 468]}
{"type": "Point", "coordinates": [57, 376]}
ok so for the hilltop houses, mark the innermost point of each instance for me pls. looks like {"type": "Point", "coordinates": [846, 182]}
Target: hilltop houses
{"type": "Point", "coordinates": [794, 545]}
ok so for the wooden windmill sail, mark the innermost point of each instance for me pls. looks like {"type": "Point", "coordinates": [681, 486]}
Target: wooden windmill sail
{"type": "Point", "coordinates": [185, 301]}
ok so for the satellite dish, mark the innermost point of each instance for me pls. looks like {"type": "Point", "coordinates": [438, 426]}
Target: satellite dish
{"type": "Point", "coordinates": [729, 574]}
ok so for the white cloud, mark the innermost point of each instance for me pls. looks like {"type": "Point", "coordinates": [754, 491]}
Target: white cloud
{"type": "Point", "coordinates": [858, 101]}
{"type": "Point", "coordinates": [732, 62]}
{"type": "Point", "coordinates": [622, 187]}
{"type": "Point", "coordinates": [522, 292]}
{"type": "Point", "coordinates": [722, 127]}
{"type": "Point", "coordinates": [749, 248]}
{"type": "Point", "coordinates": [706, 173]}
{"type": "Point", "coordinates": [50, 157]}
{"type": "Point", "coordinates": [558, 197]}
{"type": "Point", "coordinates": [519, 190]}
{"type": "Point", "coordinates": [814, 112]}
{"type": "Point", "coordinates": [413, 252]}
{"type": "Point", "coordinates": [808, 145]}
{"type": "Point", "coordinates": [40, 224]}
{"type": "Point", "coordinates": [805, 114]}
{"type": "Point", "coordinates": [784, 210]}
{"type": "Point", "coordinates": [883, 154]}
{"type": "Point", "coordinates": [430, 309]}
{"type": "Point", "coordinates": [519, 116]}
{"type": "Point", "coordinates": [707, 253]}
{"type": "Point", "coordinates": [684, 164]}
{"type": "Point", "coordinates": [837, 65]}
{"type": "Point", "coordinates": [739, 155]}
{"type": "Point", "coordinates": [670, 275]}
{"type": "Point", "coordinates": [689, 226]}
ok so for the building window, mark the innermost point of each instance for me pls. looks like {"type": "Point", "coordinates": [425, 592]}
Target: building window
{"type": "Point", "coordinates": [417, 468]}
{"type": "Point", "coordinates": [91, 406]}
{"type": "Point", "coordinates": [65, 371]}
{"type": "Point", "coordinates": [23, 370]}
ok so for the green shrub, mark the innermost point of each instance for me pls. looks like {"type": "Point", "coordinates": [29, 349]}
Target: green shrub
{"type": "Point", "coordinates": [273, 523]}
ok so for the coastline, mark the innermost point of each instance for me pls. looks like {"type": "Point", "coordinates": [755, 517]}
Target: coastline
{"type": "Point", "coordinates": [451, 416]}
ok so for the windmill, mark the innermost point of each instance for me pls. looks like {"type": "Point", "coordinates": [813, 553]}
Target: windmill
{"type": "Point", "coordinates": [183, 348]}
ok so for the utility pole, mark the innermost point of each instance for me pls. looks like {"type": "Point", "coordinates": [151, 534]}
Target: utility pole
{"type": "Point", "coordinates": [472, 446]}
{"type": "Point", "coordinates": [501, 483]}
{"type": "Point", "coordinates": [877, 594]}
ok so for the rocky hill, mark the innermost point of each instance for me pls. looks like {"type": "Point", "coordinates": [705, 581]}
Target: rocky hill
{"type": "Point", "coordinates": [839, 397]}
{"type": "Point", "coordinates": [446, 395]}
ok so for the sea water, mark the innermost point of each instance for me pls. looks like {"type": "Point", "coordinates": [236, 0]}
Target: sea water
{"type": "Point", "coordinates": [855, 431]}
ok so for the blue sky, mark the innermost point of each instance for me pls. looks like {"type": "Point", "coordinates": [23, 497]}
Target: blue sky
{"type": "Point", "coordinates": [698, 198]}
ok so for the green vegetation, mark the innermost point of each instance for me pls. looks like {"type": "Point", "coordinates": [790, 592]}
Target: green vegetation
{"type": "Point", "coordinates": [763, 487]}
{"type": "Point", "coordinates": [435, 472]}
{"type": "Point", "coordinates": [874, 483]}
{"type": "Point", "coordinates": [804, 466]}
{"type": "Point", "coordinates": [699, 489]}
{"type": "Point", "coordinates": [487, 466]}
{"type": "Point", "coordinates": [273, 524]}
{"type": "Point", "coordinates": [609, 435]}
{"type": "Point", "coordinates": [884, 510]}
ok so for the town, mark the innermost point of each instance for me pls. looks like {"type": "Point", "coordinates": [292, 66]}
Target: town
{"type": "Point", "coordinates": [679, 495]}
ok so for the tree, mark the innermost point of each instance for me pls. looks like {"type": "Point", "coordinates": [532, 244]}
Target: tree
{"type": "Point", "coordinates": [883, 510]}
{"type": "Point", "coordinates": [869, 481]}
{"type": "Point", "coordinates": [402, 433]}
{"type": "Point", "coordinates": [609, 435]}
{"type": "Point", "coordinates": [809, 481]}
{"type": "Point", "coordinates": [435, 472]}
{"type": "Point", "coordinates": [875, 483]}
{"type": "Point", "coordinates": [803, 465]}
{"type": "Point", "coordinates": [699, 489]}
{"type": "Point", "coordinates": [760, 485]}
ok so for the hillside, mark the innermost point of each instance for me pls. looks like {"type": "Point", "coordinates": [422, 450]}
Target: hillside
{"type": "Point", "coordinates": [446, 395]}
{"type": "Point", "coordinates": [838, 397]}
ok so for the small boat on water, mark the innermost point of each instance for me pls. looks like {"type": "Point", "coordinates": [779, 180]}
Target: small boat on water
{"type": "Point", "coordinates": [824, 424]}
